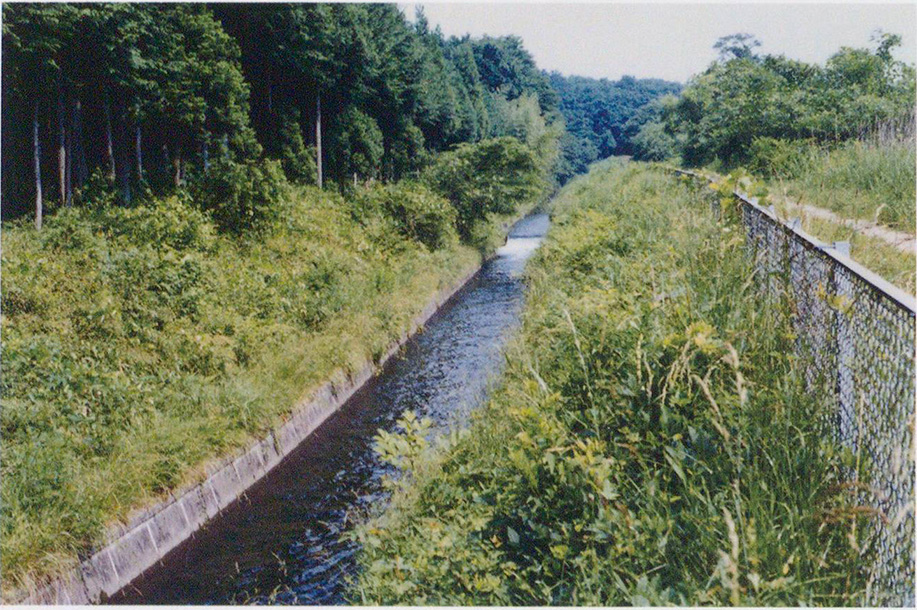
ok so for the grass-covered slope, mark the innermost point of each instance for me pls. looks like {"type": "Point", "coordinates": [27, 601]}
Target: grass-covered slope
{"type": "Point", "coordinates": [650, 443]}
{"type": "Point", "coordinates": [876, 182]}
{"type": "Point", "coordinates": [139, 343]}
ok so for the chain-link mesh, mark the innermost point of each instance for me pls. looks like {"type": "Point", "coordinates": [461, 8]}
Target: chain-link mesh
{"type": "Point", "coordinates": [856, 335]}
{"type": "Point", "coordinates": [858, 344]}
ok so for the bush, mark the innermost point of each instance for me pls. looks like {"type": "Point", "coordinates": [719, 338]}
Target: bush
{"type": "Point", "coordinates": [492, 176]}
{"type": "Point", "coordinates": [297, 159]}
{"type": "Point", "coordinates": [651, 443]}
{"type": "Point", "coordinates": [774, 157]}
{"type": "Point", "coordinates": [418, 213]}
{"type": "Point", "coordinates": [243, 196]}
{"type": "Point", "coordinates": [652, 143]}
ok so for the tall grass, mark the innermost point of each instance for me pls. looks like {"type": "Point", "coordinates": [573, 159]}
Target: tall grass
{"type": "Point", "coordinates": [651, 442]}
{"type": "Point", "coordinates": [872, 181]}
{"type": "Point", "coordinates": [140, 343]}
{"type": "Point", "coordinates": [873, 253]}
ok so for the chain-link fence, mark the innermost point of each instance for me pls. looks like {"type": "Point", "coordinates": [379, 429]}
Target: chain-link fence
{"type": "Point", "coordinates": [855, 333]}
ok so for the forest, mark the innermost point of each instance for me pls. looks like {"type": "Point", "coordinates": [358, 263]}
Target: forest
{"type": "Point", "coordinates": [746, 108]}
{"type": "Point", "coordinates": [171, 96]}
{"type": "Point", "coordinates": [603, 117]}
{"type": "Point", "coordinates": [211, 209]}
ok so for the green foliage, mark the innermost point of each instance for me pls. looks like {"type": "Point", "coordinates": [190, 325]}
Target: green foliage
{"type": "Point", "coordinates": [604, 116]}
{"type": "Point", "coordinates": [744, 97]}
{"type": "Point", "coordinates": [491, 177]}
{"type": "Point", "coordinates": [772, 157]}
{"type": "Point", "coordinates": [406, 449]}
{"type": "Point", "coordinates": [418, 213]}
{"type": "Point", "coordinates": [653, 143]}
{"type": "Point", "coordinates": [140, 343]}
{"type": "Point", "coordinates": [356, 146]}
{"type": "Point", "coordinates": [297, 159]}
{"type": "Point", "coordinates": [652, 441]}
{"type": "Point", "coordinates": [243, 197]}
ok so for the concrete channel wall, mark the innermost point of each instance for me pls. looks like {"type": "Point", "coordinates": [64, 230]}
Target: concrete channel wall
{"type": "Point", "coordinates": [151, 534]}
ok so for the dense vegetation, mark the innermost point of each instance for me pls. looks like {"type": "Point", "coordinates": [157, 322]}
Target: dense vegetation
{"type": "Point", "coordinates": [603, 117]}
{"type": "Point", "coordinates": [874, 180]}
{"type": "Point", "coordinates": [192, 284]}
{"type": "Point", "coordinates": [113, 103]}
{"type": "Point", "coordinates": [744, 103]}
{"type": "Point", "coordinates": [651, 442]}
{"type": "Point", "coordinates": [140, 342]}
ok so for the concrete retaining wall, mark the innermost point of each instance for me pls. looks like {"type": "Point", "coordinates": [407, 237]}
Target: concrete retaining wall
{"type": "Point", "coordinates": [150, 534]}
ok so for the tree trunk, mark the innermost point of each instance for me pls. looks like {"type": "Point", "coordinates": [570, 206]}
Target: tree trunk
{"type": "Point", "coordinates": [318, 137]}
{"type": "Point", "coordinates": [124, 170]}
{"type": "Point", "coordinates": [82, 171]}
{"type": "Point", "coordinates": [109, 146]}
{"type": "Point", "coordinates": [138, 151]}
{"type": "Point", "coordinates": [176, 162]}
{"type": "Point", "coordinates": [61, 149]}
{"type": "Point", "coordinates": [205, 154]}
{"type": "Point", "coordinates": [36, 142]}
{"type": "Point", "coordinates": [68, 168]}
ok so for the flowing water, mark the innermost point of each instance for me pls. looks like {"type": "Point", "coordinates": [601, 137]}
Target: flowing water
{"type": "Point", "coordinates": [281, 543]}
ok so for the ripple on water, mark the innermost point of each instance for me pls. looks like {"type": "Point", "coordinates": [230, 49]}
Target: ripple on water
{"type": "Point", "coordinates": [281, 543]}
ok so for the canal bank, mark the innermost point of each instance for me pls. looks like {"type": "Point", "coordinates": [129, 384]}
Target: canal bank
{"type": "Point", "coordinates": [151, 535]}
{"type": "Point", "coordinates": [282, 543]}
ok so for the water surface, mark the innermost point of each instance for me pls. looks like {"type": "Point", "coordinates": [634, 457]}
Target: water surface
{"type": "Point", "coordinates": [281, 542]}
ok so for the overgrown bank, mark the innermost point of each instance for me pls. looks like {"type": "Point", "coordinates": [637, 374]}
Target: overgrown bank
{"type": "Point", "coordinates": [651, 442]}
{"type": "Point", "coordinates": [139, 343]}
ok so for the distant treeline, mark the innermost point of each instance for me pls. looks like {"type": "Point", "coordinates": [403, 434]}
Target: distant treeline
{"type": "Point", "coordinates": [144, 99]}
{"type": "Point", "coordinates": [746, 106]}
{"type": "Point", "coordinates": [603, 116]}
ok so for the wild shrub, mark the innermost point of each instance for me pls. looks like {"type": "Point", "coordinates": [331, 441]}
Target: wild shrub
{"type": "Point", "coordinates": [773, 157]}
{"type": "Point", "coordinates": [492, 176]}
{"type": "Point", "coordinates": [651, 443]}
{"type": "Point", "coordinates": [243, 197]}
{"type": "Point", "coordinates": [418, 213]}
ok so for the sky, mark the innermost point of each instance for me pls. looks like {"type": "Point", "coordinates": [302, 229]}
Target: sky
{"type": "Point", "coordinates": [671, 41]}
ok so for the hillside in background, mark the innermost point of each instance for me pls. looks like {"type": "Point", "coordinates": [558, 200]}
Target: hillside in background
{"type": "Point", "coordinates": [603, 116]}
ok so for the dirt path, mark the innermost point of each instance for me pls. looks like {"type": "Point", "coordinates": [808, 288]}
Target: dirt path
{"type": "Point", "coordinates": [905, 242]}
{"type": "Point", "coordinates": [897, 239]}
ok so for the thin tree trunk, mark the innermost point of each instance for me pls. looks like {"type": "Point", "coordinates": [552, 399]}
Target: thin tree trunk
{"type": "Point", "coordinates": [36, 142]}
{"type": "Point", "coordinates": [138, 151]}
{"type": "Point", "coordinates": [82, 171]}
{"type": "Point", "coordinates": [125, 180]}
{"type": "Point", "coordinates": [61, 149]}
{"type": "Point", "coordinates": [68, 168]}
{"type": "Point", "coordinates": [176, 162]}
{"type": "Point", "coordinates": [205, 153]}
{"type": "Point", "coordinates": [109, 146]}
{"type": "Point", "coordinates": [318, 137]}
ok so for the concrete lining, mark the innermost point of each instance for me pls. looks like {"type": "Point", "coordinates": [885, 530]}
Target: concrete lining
{"type": "Point", "coordinates": [154, 531]}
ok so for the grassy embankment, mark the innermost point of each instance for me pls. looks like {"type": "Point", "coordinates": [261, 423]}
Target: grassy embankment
{"type": "Point", "coordinates": [140, 343]}
{"type": "Point", "coordinates": [651, 441]}
{"type": "Point", "coordinates": [874, 182]}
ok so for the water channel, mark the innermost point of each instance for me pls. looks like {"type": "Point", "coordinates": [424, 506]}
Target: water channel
{"type": "Point", "coordinates": [282, 542]}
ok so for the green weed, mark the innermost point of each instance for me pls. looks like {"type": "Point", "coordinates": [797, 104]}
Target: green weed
{"type": "Point", "coordinates": [652, 441]}
{"type": "Point", "coordinates": [140, 343]}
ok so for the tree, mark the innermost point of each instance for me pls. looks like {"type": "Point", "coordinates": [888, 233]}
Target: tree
{"type": "Point", "coordinates": [737, 46]}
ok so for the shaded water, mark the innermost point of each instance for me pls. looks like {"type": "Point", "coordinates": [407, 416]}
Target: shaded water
{"type": "Point", "coordinates": [281, 542]}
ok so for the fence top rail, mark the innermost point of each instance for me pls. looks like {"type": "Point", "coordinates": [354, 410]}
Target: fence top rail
{"type": "Point", "coordinates": [894, 294]}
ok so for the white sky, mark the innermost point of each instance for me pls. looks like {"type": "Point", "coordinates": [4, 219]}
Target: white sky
{"type": "Point", "coordinates": [671, 41]}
